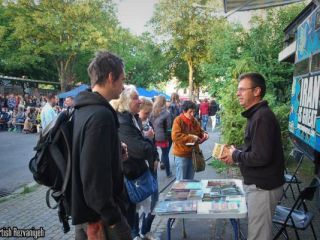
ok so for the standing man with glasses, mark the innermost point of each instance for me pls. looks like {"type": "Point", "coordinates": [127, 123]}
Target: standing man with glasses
{"type": "Point", "coordinates": [261, 158]}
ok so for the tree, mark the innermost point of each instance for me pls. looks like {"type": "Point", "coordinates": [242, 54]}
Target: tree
{"type": "Point", "coordinates": [186, 28]}
{"type": "Point", "coordinates": [59, 31]}
{"type": "Point", "coordinates": [235, 51]}
{"type": "Point", "coordinates": [145, 62]}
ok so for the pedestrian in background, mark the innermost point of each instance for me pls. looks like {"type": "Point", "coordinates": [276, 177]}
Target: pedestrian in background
{"type": "Point", "coordinates": [186, 134]}
{"type": "Point", "coordinates": [204, 113]}
{"type": "Point", "coordinates": [48, 114]}
{"type": "Point", "coordinates": [213, 109]}
{"type": "Point", "coordinates": [161, 121]}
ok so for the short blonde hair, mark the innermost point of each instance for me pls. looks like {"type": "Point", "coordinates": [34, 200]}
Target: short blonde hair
{"type": "Point", "coordinates": [146, 104]}
{"type": "Point", "coordinates": [122, 104]}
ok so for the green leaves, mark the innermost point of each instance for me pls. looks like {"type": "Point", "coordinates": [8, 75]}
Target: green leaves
{"type": "Point", "coordinates": [185, 29]}
{"type": "Point", "coordinates": [55, 40]}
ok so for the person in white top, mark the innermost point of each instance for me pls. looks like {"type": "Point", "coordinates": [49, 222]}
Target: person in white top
{"type": "Point", "coordinates": [48, 114]}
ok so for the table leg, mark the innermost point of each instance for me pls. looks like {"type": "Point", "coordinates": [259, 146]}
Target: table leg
{"type": "Point", "coordinates": [236, 229]}
{"type": "Point", "coordinates": [235, 226]}
{"type": "Point", "coordinates": [169, 226]}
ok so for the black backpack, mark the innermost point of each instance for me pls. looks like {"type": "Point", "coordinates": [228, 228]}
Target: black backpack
{"type": "Point", "coordinates": [51, 165]}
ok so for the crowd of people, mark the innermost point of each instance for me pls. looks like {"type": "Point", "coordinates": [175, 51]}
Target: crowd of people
{"type": "Point", "coordinates": [116, 134]}
{"type": "Point", "coordinates": [29, 114]}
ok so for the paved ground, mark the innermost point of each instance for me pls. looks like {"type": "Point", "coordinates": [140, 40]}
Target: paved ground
{"type": "Point", "coordinates": [29, 210]}
{"type": "Point", "coordinates": [16, 149]}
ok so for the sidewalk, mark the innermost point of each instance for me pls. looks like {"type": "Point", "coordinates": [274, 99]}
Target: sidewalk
{"type": "Point", "coordinates": [30, 210]}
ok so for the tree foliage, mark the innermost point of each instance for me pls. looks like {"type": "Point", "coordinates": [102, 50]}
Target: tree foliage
{"type": "Point", "coordinates": [52, 40]}
{"type": "Point", "coordinates": [185, 29]}
{"type": "Point", "coordinates": [235, 51]}
{"type": "Point", "coordinates": [59, 31]}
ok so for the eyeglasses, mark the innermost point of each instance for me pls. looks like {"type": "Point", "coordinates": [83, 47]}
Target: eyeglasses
{"type": "Point", "coordinates": [241, 90]}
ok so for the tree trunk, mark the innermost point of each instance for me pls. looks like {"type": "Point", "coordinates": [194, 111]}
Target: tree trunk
{"type": "Point", "coordinates": [190, 66]}
{"type": "Point", "coordinates": [64, 75]}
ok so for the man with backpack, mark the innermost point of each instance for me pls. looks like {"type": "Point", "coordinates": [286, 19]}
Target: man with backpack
{"type": "Point", "coordinates": [98, 197]}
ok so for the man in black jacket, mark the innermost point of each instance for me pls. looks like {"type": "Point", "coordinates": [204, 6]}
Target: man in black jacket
{"type": "Point", "coordinates": [261, 158]}
{"type": "Point", "coordinates": [98, 197]}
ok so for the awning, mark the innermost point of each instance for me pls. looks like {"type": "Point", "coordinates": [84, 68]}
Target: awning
{"type": "Point", "coordinates": [151, 93]}
{"type": "Point", "coordinates": [74, 92]}
{"type": "Point", "coordinates": [245, 5]}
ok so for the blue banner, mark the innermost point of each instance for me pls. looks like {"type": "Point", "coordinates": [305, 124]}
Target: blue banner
{"type": "Point", "coordinates": [304, 118]}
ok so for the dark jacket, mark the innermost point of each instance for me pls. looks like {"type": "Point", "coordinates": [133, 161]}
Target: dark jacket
{"type": "Point", "coordinates": [161, 125]}
{"type": "Point", "coordinates": [97, 178]}
{"type": "Point", "coordinates": [261, 160]}
{"type": "Point", "coordinates": [139, 147]}
{"type": "Point", "coordinates": [213, 108]}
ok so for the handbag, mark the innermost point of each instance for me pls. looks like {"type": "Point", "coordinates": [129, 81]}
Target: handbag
{"type": "Point", "coordinates": [142, 187]}
{"type": "Point", "coordinates": [198, 161]}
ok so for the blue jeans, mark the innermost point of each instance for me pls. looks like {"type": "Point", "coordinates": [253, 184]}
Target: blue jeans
{"type": "Point", "coordinates": [133, 219]}
{"type": "Point", "coordinates": [146, 223]}
{"type": "Point", "coordinates": [204, 121]}
{"type": "Point", "coordinates": [184, 168]}
{"type": "Point", "coordinates": [165, 159]}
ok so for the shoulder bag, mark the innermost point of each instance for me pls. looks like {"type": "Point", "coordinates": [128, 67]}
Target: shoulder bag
{"type": "Point", "coordinates": [142, 187]}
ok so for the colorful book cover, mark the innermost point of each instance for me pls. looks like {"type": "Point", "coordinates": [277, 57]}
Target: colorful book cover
{"type": "Point", "coordinates": [195, 195]}
{"type": "Point", "coordinates": [177, 195]}
{"type": "Point", "coordinates": [210, 197]}
{"type": "Point", "coordinates": [183, 185]}
{"type": "Point", "coordinates": [217, 207]}
{"type": "Point", "coordinates": [194, 185]}
{"type": "Point", "coordinates": [219, 150]}
{"type": "Point", "coordinates": [231, 190]}
{"type": "Point", "coordinates": [176, 207]}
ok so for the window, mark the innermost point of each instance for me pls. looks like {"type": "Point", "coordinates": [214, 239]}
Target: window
{"type": "Point", "coordinates": [301, 67]}
{"type": "Point", "coordinates": [315, 63]}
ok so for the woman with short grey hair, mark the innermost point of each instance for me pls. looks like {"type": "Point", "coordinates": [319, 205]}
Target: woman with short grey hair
{"type": "Point", "coordinates": [140, 149]}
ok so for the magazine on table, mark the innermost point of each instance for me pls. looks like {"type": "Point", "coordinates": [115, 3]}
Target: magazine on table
{"type": "Point", "coordinates": [176, 207]}
{"type": "Point", "coordinates": [223, 188]}
{"type": "Point", "coordinates": [190, 185]}
{"type": "Point", "coordinates": [217, 207]}
{"type": "Point", "coordinates": [177, 195]}
{"type": "Point", "coordinates": [195, 195]}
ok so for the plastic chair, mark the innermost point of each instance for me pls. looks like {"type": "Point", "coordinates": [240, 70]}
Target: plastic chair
{"type": "Point", "coordinates": [291, 179]}
{"type": "Point", "coordinates": [295, 217]}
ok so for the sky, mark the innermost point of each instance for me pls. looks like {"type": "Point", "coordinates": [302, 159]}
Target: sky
{"type": "Point", "coordinates": [134, 14]}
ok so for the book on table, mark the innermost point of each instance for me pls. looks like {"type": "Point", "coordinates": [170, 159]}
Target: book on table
{"type": "Point", "coordinates": [186, 185]}
{"type": "Point", "coordinates": [177, 195]}
{"type": "Point", "coordinates": [176, 207]}
{"type": "Point", "coordinates": [218, 188]}
{"type": "Point", "coordinates": [219, 206]}
{"type": "Point", "coordinates": [195, 195]}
